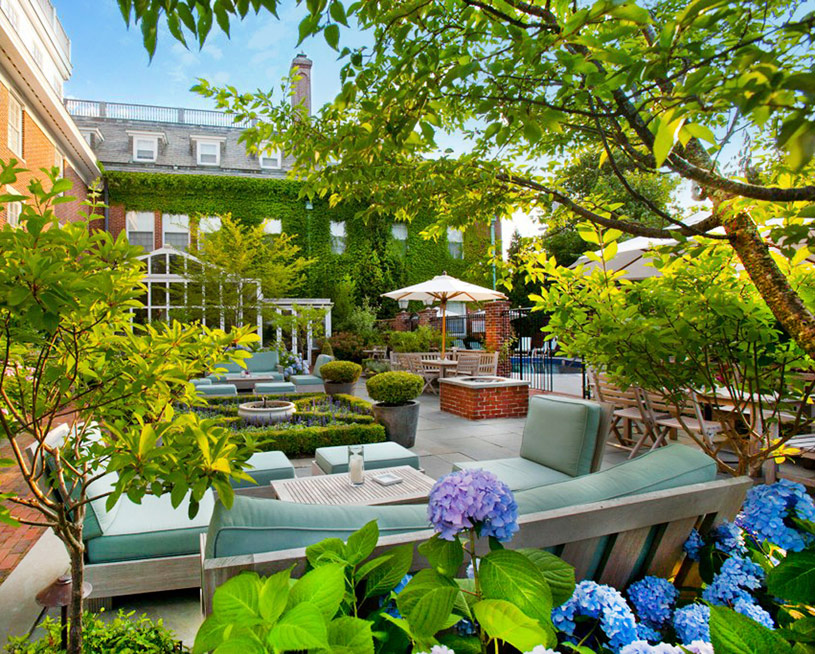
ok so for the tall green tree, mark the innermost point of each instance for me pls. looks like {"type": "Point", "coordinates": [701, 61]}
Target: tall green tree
{"type": "Point", "coordinates": [69, 351]}
{"type": "Point", "coordinates": [665, 87]}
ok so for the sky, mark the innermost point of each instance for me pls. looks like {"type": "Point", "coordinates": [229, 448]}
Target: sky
{"type": "Point", "coordinates": [111, 64]}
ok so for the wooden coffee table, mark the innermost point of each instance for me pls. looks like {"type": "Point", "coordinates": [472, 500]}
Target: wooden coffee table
{"type": "Point", "coordinates": [337, 489]}
{"type": "Point", "coordinates": [247, 382]}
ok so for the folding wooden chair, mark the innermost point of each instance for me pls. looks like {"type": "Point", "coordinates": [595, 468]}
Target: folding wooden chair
{"type": "Point", "coordinates": [627, 414]}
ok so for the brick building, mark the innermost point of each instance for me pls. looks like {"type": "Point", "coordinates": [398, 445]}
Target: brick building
{"type": "Point", "coordinates": [35, 127]}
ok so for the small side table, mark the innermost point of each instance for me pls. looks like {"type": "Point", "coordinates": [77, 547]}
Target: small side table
{"type": "Point", "coordinates": [337, 489]}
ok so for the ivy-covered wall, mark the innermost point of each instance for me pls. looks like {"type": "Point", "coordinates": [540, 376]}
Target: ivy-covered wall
{"type": "Point", "coordinates": [372, 257]}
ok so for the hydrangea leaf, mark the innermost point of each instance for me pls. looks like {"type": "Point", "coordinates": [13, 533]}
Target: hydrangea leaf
{"type": "Point", "coordinates": [504, 620]}
{"type": "Point", "coordinates": [324, 587]}
{"type": "Point", "coordinates": [510, 575]}
{"type": "Point", "coordinates": [237, 599]}
{"type": "Point", "coordinates": [384, 578]}
{"type": "Point", "coordinates": [733, 633]}
{"type": "Point", "coordinates": [558, 574]}
{"type": "Point", "coordinates": [347, 635]}
{"type": "Point", "coordinates": [444, 555]}
{"type": "Point", "coordinates": [794, 578]}
{"type": "Point", "coordinates": [362, 542]}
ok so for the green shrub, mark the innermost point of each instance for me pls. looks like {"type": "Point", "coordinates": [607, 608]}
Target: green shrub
{"type": "Point", "coordinates": [375, 366]}
{"type": "Point", "coordinates": [424, 339]}
{"type": "Point", "coordinates": [347, 346]}
{"type": "Point", "coordinates": [325, 348]}
{"type": "Point", "coordinates": [340, 372]}
{"type": "Point", "coordinates": [303, 442]}
{"type": "Point", "coordinates": [123, 635]}
{"type": "Point", "coordinates": [395, 388]}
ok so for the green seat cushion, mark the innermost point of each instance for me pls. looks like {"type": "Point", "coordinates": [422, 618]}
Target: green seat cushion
{"type": "Point", "coordinates": [318, 363]}
{"type": "Point", "coordinates": [274, 387]}
{"type": "Point", "coordinates": [671, 466]}
{"type": "Point", "coordinates": [217, 389]}
{"type": "Point", "coordinates": [255, 525]}
{"type": "Point", "coordinates": [150, 530]}
{"type": "Point", "coordinates": [561, 433]}
{"type": "Point", "coordinates": [267, 466]}
{"type": "Point", "coordinates": [227, 366]}
{"type": "Point", "coordinates": [332, 460]}
{"type": "Point", "coordinates": [263, 362]}
{"type": "Point", "coordinates": [97, 518]}
{"type": "Point", "coordinates": [263, 525]}
{"type": "Point", "coordinates": [306, 380]}
{"type": "Point", "coordinates": [202, 381]}
{"type": "Point", "coordinates": [517, 473]}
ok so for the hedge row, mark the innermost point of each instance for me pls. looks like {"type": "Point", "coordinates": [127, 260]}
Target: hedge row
{"type": "Point", "coordinates": [303, 442]}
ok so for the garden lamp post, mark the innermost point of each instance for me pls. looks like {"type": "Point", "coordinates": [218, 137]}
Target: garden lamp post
{"type": "Point", "coordinates": [443, 289]}
{"type": "Point", "coordinates": [58, 594]}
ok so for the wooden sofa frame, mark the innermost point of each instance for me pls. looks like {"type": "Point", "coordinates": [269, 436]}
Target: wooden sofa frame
{"type": "Point", "coordinates": [629, 536]}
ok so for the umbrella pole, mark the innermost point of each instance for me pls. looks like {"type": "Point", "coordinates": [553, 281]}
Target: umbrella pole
{"type": "Point", "coordinates": [443, 326]}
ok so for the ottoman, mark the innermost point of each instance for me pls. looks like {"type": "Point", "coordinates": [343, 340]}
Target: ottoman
{"type": "Point", "coordinates": [262, 388]}
{"type": "Point", "coordinates": [331, 460]}
{"type": "Point", "coordinates": [216, 389]}
{"type": "Point", "coordinates": [266, 467]}
{"type": "Point", "coordinates": [201, 381]}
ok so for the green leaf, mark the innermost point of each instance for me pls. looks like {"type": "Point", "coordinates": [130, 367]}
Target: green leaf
{"type": "Point", "coordinates": [362, 542]}
{"type": "Point", "coordinates": [236, 600]}
{"type": "Point", "coordinates": [385, 577]}
{"type": "Point", "coordinates": [303, 627]}
{"type": "Point", "coordinates": [274, 596]}
{"type": "Point", "coordinates": [734, 633]}
{"type": "Point", "coordinates": [558, 574]}
{"type": "Point", "coordinates": [700, 132]}
{"type": "Point", "coordinates": [337, 12]}
{"type": "Point", "coordinates": [427, 602]}
{"type": "Point", "coordinates": [324, 587]}
{"type": "Point", "coordinates": [510, 575]}
{"type": "Point", "coordinates": [504, 620]}
{"type": "Point", "coordinates": [347, 635]}
{"type": "Point", "coordinates": [210, 634]}
{"type": "Point", "coordinates": [667, 134]}
{"type": "Point", "coordinates": [793, 579]}
{"type": "Point", "coordinates": [446, 556]}
{"type": "Point", "coordinates": [242, 644]}
{"type": "Point", "coordinates": [326, 551]}
{"type": "Point", "coordinates": [332, 35]}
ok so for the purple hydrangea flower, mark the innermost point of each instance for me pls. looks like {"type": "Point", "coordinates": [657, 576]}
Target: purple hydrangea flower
{"type": "Point", "coordinates": [598, 601]}
{"type": "Point", "coordinates": [439, 649]}
{"type": "Point", "coordinates": [692, 623]}
{"type": "Point", "coordinates": [734, 580]}
{"type": "Point", "coordinates": [467, 498]}
{"type": "Point", "coordinates": [693, 545]}
{"type": "Point", "coordinates": [653, 599]}
{"type": "Point", "coordinates": [643, 647]}
{"type": "Point", "coordinates": [540, 649]}
{"type": "Point", "coordinates": [699, 647]}
{"type": "Point", "coordinates": [766, 511]}
{"type": "Point", "coordinates": [754, 611]}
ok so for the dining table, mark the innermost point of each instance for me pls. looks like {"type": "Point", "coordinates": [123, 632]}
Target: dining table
{"type": "Point", "coordinates": [444, 366]}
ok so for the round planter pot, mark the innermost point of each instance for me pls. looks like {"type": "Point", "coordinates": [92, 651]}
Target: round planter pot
{"type": "Point", "coordinates": [400, 422]}
{"type": "Point", "coordinates": [265, 412]}
{"type": "Point", "coordinates": [337, 388]}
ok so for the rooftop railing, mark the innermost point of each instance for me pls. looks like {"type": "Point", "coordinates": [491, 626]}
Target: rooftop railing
{"type": "Point", "coordinates": [59, 31]}
{"type": "Point", "coordinates": [152, 113]}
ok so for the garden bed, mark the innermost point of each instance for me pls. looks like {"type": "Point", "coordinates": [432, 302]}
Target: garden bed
{"type": "Point", "coordinates": [319, 421]}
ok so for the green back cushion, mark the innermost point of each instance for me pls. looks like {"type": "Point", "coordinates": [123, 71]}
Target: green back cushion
{"type": "Point", "coordinates": [561, 433]}
{"type": "Point", "coordinates": [97, 518]}
{"type": "Point", "coordinates": [255, 525]}
{"type": "Point", "coordinates": [263, 362]}
{"type": "Point", "coordinates": [321, 359]}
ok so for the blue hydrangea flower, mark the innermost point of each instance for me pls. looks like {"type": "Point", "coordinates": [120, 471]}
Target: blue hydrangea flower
{"type": "Point", "coordinates": [439, 649]}
{"type": "Point", "coordinates": [693, 545]}
{"type": "Point", "coordinates": [466, 627]}
{"type": "Point", "coordinates": [594, 600]}
{"type": "Point", "coordinates": [736, 578]}
{"type": "Point", "coordinates": [643, 647]}
{"type": "Point", "coordinates": [692, 623]}
{"type": "Point", "coordinates": [647, 633]}
{"type": "Point", "coordinates": [766, 510]}
{"type": "Point", "coordinates": [391, 609]}
{"type": "Point", "coordinates": [466, 498]}
{"type": "Point", "coordinates": [729, 539]}
{"type": "Point", "coordinates": [699, 647]}
{"type": "Point", "coordinates": [540, 649]}
{"type": "Point", "coordinates": [653, 599]}
{"type": "Point", "coordinates": [754, 611]}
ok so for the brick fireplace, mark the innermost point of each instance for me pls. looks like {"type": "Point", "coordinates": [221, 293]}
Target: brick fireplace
{"type": "Point", "coordinates": [479, 398]}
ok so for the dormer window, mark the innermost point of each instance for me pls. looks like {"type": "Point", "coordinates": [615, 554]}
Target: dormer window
{"type": "Point", "coordinates": [270, 159]}
{"type": "Point", "coordinates": [207, 150]}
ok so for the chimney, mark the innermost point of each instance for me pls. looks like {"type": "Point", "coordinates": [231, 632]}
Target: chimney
{"type": "Point", "coordinates": [301, 68]}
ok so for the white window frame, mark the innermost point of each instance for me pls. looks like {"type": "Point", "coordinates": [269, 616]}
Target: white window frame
{"type": "Point", "coordinates": [153, 146]}
{"type": "Point", "coordinates": [15, 132]}
{"type": "Point", "coordinates": [175, 224]}
{"type": "Point", "coordinates": [209, 224]}
{"type": "Point", "coordinates": [199, 153]}
{"type": "Point", "coordinates": [338, 237]}
{"type": "Point", "coordinates": [455, 236]}
{"type": "Point", "coordinates": [13, 209]}
{"type": "Point", "coordinates": [133, 218]}
{"type": "Point", "coordinates": [270, 159]}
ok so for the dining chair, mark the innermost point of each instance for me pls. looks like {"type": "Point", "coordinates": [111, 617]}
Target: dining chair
{"type": "Point", "coordinates": [627, 416]}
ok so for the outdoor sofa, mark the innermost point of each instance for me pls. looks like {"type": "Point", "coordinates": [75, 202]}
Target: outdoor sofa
{"type": "Point", "coordinates": [260, 363]}
{"type": "Point", "coordinates": [613, 525]}
{"type": "Point", "coordinates": [314, 381]}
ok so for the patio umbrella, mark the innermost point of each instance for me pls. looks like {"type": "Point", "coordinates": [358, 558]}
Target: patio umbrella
{"type": "Point", "coordinates": [443, 289]}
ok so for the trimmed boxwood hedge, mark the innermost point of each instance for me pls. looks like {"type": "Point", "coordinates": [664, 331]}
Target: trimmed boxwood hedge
{"type": "Point", "coordinates": [349, 428]}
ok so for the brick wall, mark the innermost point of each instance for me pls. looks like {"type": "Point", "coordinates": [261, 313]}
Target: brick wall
{"type": "Point", "coordinates": [38, 152]}
{"type": "Point", "coordinates": [498, 330]}
{"type": "Point", "coordinates": [426, 316]}
{"type": "Point", "coordinates": [401, 322]}
{"type": "Point", "coordinates": [483, 403]}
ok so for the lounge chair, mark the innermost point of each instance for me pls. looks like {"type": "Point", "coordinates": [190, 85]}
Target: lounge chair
{"type": "Point", "coordinates": [314, 381]}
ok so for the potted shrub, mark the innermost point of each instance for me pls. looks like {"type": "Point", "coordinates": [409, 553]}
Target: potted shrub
{"type": "Point", "coordinates": [396, 408]}
{"type": "Point", "coordinates": [340, 376]}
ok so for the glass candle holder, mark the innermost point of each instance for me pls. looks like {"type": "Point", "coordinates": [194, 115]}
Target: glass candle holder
{"type": "Point", "coordinates": [356, 464]}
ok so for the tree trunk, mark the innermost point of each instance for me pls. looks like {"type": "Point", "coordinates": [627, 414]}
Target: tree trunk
{"type": "Point", "coordinates": [76, 607]}
{"type": "Point", "coordinates": [787, 306]}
